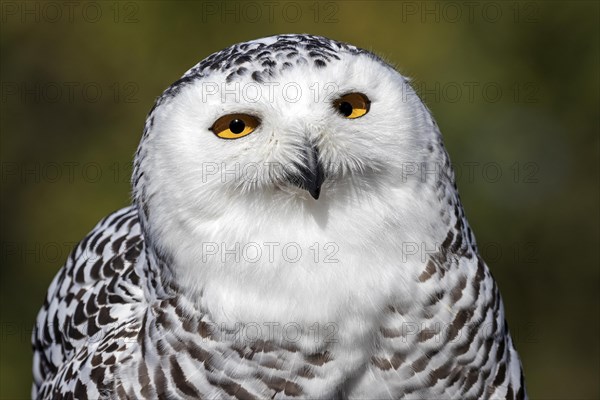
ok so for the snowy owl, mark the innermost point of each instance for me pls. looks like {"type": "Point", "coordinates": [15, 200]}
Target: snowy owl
{"type": "Point", "coordinates": [295, 232]}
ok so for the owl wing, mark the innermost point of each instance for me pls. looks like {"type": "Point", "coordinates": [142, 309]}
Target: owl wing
{"type": "Point", "coordinates": [89, 312]}
{"type": "Point", "coordinates": [457, 345]}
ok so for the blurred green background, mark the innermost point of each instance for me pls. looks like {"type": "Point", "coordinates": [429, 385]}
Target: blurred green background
{"type": "Point", "coordinates": [514, 87]}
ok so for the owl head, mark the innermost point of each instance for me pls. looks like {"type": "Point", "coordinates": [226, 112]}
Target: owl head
{"type": "Point", "coordinates": [283, 133]}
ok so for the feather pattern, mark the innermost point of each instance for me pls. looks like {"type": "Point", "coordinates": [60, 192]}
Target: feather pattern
{"type": "Point", "coordinates": [192, 291]}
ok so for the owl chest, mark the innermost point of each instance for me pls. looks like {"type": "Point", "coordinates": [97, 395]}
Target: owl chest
{"type": "Point", "coordinates": [193, 358]}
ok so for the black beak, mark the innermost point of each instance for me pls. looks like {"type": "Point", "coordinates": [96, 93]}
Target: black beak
{"type": "Point", "coordinates": [310, 174]}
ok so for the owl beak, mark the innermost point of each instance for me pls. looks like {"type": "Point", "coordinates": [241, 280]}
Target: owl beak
{"type": "Point", "coordinates": [310, 175]}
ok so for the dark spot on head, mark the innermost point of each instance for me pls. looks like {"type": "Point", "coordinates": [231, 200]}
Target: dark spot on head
{"type": "Point", "coordinates": [242, 59]}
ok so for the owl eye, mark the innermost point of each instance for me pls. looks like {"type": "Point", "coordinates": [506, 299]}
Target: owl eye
{"type": "Point", "coordinates": [352, 105]}
{"type": "Point", "coordinates": [234, 126]}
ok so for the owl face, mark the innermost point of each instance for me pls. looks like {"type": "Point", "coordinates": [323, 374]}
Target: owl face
{"type": "Point", "coordinates": [293, 140]}
{"type": "Point", "coordinates": [290, 128]}
{"type": "Point", "coordinates": [285, 123]}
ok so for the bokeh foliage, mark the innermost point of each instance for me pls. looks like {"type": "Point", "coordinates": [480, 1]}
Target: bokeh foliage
{"type": "Point", "coordinates": [537, 223]}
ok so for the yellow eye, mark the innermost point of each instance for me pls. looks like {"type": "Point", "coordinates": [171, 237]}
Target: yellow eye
{"type": "Point", "coordinates": [352, 105]}
{"type": "Point", "coordinates": [234, 126]}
